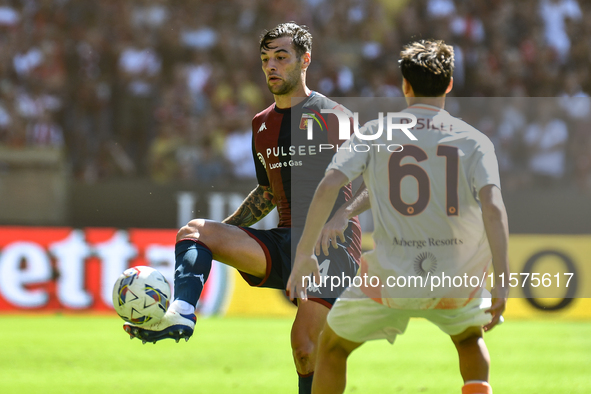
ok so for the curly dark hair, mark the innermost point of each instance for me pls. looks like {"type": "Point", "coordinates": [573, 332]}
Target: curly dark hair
{"type": "Point", "coordinates": [428, 66]}
{"type": "Point", "coordinates": [302, 39]}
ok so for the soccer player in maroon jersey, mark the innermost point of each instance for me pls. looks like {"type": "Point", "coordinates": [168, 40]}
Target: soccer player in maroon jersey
{"type": "Point", "coordinates": [284, 156]}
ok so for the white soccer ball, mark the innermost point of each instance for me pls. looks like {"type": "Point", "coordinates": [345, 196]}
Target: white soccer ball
{"type": "Point", "coordinates": [141, 295]}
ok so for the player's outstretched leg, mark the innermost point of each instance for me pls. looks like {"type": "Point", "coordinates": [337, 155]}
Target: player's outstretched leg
{"type": "Point", "coordinates": [198, 243]}
{"type": "Point", "coordinates": [331, 363]}
{"type": "Point", "coordinates": [474, 361]}
{"type": "Point", "coordinates": [192, 266]}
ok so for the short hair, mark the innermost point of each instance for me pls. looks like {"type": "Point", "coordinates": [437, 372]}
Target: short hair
{"type": "Point", "coordinates": [428, 66]}
{"type": "Point", "coordinates": [301, 37]}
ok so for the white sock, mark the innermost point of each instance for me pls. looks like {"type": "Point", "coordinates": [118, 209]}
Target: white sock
{"type": "Point", "coordinates": [183, 307]}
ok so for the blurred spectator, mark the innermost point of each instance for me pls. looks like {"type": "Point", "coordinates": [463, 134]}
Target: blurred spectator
{"type": "Point", "coordinates": [164, 165]}
{"type": "Point", "coordinates": [26, 61]}
{"type": "Point", "coordinates": [139, 69]}
{"type": "Point", "coordinates": [198, 74]}
{"type": "Point", "coordinates": [510, 148]}
{"type": "Point", "coordinates": [33, 102]}
{"type": "Point", "coordinates": [45, 132]}
{"type": "Point", "coordinates": [554, 14]}
{"type": "Point", "coordinates": [238, 152]}
{"type": "Point", "coordinates": [573, 99]}
{"type": "Point", "coordinates": [577, 106]}
{"type": "Point", "coordinates": [467, 24]}
{"type": "Point", "coordinates": [122, 80]}
{"type": "Point", "coordinates": [9, 17]}
{"type": "Point", "coordinates": [440, 8]}
{"type": "Point", "coordinates": [149, 14]}
{"type": "Point", "coordinates": [546, 139]}
{"type": "Point", "coordinates": [5, 122]}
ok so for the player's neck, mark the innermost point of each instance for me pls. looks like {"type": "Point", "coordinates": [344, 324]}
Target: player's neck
{"type": "Point", "coordinates": [293, 98]}
{"type": "Point", "coordinates": [438, 102]}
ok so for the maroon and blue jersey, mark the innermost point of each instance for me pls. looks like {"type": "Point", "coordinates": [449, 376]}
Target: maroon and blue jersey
{"type": "Point", "coordinates": [293, 165]}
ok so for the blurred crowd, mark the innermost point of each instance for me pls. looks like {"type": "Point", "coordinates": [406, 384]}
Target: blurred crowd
{"type": "Point", "coordinates": [167, 88]}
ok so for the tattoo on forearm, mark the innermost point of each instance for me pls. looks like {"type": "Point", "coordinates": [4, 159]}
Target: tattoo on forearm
{"type": "Point", "coordinates": [255, 207]}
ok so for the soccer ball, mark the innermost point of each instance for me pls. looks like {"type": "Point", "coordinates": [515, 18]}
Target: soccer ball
{"type": "Point", "coordinates": [141, 295]}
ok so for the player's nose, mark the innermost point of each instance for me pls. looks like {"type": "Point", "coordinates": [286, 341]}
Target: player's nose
{"type": "Point", "coordinates": [270, 66]}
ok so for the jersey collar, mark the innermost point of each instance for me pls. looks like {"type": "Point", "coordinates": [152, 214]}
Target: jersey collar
{"type": "Point", "coordinates": [426, 107]}
{"type": "Point", "coordinates": [295, 107]}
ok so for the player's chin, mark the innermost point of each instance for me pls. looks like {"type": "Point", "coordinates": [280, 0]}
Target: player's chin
{"type": "Point", "coordinates": [278, 88]}
{"type": "Point", "coordinates": [275, 89]}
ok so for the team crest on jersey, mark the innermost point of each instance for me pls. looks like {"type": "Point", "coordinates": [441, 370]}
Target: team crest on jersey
{"type": "Point", "coordinates": [307, 117]}
{"type": "Point", "coordinates": [425, 263]}
{"type": "Point", "coordinates": [262, 159]}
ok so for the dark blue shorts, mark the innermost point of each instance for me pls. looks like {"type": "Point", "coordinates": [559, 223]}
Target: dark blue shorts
{"type": "Point", "coordinates": [279, 251]}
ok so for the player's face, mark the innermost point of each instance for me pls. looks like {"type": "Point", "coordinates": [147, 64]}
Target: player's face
{"type": "Point", "coordinates": [282, 68]}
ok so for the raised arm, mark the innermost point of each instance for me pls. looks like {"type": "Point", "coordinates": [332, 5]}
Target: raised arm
{"type": "Point", "coordinates": [496, 225]}
{"type": "Point", "coordinates": [254, 207]}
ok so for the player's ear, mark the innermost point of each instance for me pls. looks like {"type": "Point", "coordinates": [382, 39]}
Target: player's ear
{"type": "Point", "coordinates": [450, 86]}
{"type": "Point", "coordinates": [306, 60]}
{"type": "Point", "coordinates": [407, 89]}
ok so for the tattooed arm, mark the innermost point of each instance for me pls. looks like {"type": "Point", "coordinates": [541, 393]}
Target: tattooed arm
{"type": "Point", "coordinates": [255, 207]}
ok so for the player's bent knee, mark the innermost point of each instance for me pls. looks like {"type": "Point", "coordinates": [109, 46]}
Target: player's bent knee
{"type": "Point", "coordinates": [193, 229]}
{"type": "Point", "coordinates": [302, 352]}
{"type": "Point", "coordinates": [301, 343]}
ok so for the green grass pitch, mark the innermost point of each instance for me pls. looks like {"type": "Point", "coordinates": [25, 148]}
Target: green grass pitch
{"type": "Point", "coordinates": [92, 354]}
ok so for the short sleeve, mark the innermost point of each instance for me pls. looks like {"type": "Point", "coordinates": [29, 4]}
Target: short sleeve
{"type": "Point", "coordinates": [351, 158]}
{"type": "Point", "coordinates": [486, 171]}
